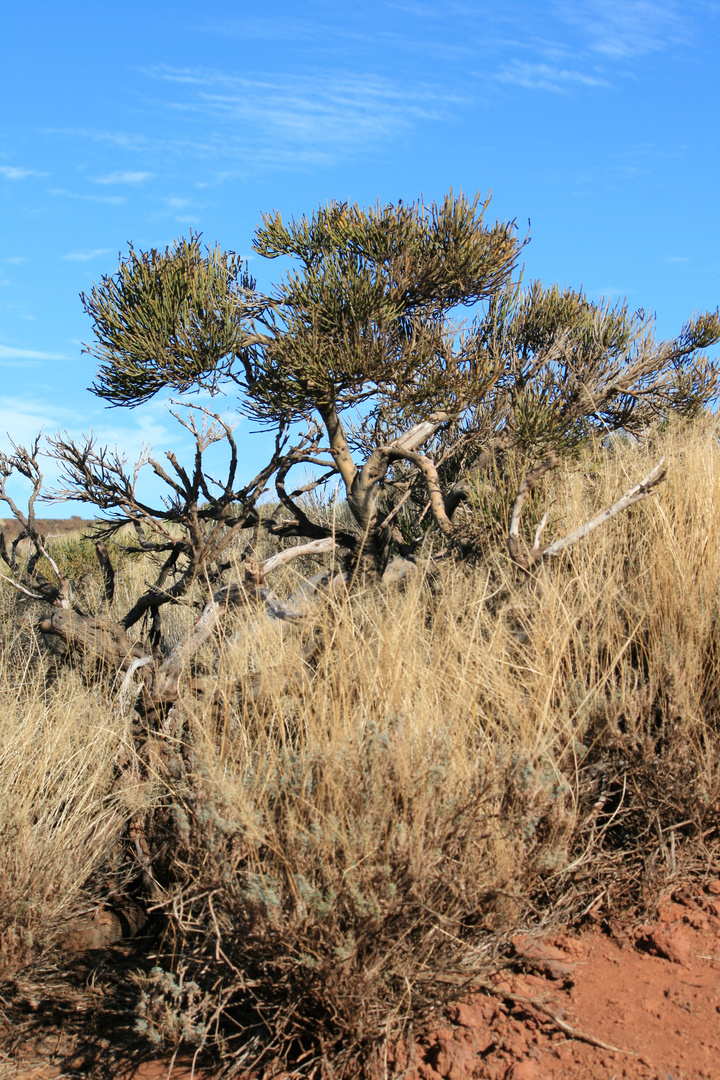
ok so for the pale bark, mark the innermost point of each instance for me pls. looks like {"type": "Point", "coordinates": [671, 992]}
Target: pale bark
{"type": "Point", "coordinates": [256, 572]}
{"type": "Point", "coordinates": [636, 494]}
{"type": "Point", "coordinates": [338, 445]}
{"type": "Point", "coordinates": [538, 552]}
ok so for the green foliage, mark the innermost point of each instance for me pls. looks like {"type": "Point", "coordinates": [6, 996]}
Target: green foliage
{"type": "Point", "coordinates": [169, 318]}
{"type": "Point", "coordinates": [364, 330]}
{"type": "Point", "coordinates": [367, 310]}
{"type": "Point", "coordinates": [368, 315]}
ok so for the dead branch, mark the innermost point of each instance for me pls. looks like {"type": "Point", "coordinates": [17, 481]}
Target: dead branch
{"type": "Point", "coordinates": [538, 552]}
{"type": "Point", "coordinates": [93, 637]}
{"type": "Point", "coordinates": [124, 692]}
{"type": "Point", "coordinates": [255, 572]}
{"type": "Point", "coordinates": [167, 678]}
{"type": "Point", "coordinates": [636, 494]}
{"type": "Point", "coordinates": [26, 463]}
{"type": "Point", "coordinates": [526, 488]}
{"type": "Point", "coordinates": [540, 1006]}
{"type": "Point", "coordinates": [195, 535]}
{"type": "Point", "coordinates": [107, 571]}
{"type": "Point", "coordinates": [21, 588]}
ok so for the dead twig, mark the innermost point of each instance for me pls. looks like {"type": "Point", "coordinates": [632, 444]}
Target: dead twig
{"type": "Point", "coordinates": [536, 1003]}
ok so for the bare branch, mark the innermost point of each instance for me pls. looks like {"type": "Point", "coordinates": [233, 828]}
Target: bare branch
{"type": "Point", "coordinates": [26, 463]}
{"type": "Point", "coordinates": [432, 482]}
{"type": "Point", "coordinates": [108, 573]}
{"type": "Point", "coordinates": [166, 683]}
{"type": "Point", "coordinates": [96, 638]}
{"type": "Point", "coordinates": [538, 552]}
{"type": "Point", "coordinates": [458, 493]}
{"type": "Point", "coordinates": [362, 496]}
{"type": "Point", "coordinates": [124, 692]}
{"type": "Point", "coordinates": [636, 494]}
{"type": "Point", "coordinates": [528, 485]}
{"type": "Point", "coordinates": [21, 588]}
{"type": "Point", "coordinates": [256, 573]}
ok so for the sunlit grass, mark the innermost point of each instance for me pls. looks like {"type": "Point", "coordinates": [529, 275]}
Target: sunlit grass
{"type": "Point", "coordinates": [382, 794]}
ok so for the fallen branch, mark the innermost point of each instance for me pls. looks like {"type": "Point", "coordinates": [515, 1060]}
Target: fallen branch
{"type": "Point", "coordinates": [256, 572]}
{"type": "Point", "coordinates": [526, 488]}
{"type": "Point", "coordinates": [636, 494]}
{"type": "Point", "coordinates": [124, 692]}
{"type": "Point", "coordinates": [167, 679]}
{"type": "Point", "coordinates": [21, 588]}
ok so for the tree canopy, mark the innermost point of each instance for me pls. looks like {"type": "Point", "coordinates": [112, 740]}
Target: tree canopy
{"type": "Point", "coordinates": [396, 327]}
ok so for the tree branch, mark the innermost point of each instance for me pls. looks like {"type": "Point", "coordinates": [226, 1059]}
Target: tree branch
{"type": "Point", "coordinates": [526, 488]}
{"type": "Point", "coordinates": [338, 445]}
{"type": "Point", "coordinates": [538, 552]}
{"type": "Point", "coordinates": [636, 494]}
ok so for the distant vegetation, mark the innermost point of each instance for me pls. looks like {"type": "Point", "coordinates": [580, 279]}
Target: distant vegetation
{"type": "Point", "coordinates": [481, 693]}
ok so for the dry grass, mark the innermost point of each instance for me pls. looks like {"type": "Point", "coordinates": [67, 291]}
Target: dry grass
{"type": "Point", "coordinates": [463, 754]}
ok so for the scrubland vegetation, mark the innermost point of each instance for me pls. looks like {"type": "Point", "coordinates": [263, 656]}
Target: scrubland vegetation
{"type": "Point", "coordinates": [306, 752]}
{"type": "Point", "coordinates": [464, 752]}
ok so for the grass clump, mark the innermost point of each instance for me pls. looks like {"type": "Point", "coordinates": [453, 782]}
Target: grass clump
{"type": "Point", "coordinates": [465, 754]}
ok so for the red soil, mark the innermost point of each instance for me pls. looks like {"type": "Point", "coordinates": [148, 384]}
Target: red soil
{"type": "Point", "coordinates": [650, 993]}
{"type": "Point", "coordinates": [653, 993]}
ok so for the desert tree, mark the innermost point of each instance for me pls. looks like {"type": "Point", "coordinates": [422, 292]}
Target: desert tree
{"type": "Point", "coordinates": [398, 356]}
{"type": "Point", "coordinates": [406, 334]}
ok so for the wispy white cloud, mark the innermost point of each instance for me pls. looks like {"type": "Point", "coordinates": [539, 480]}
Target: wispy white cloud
{"type": "Point", "coordinates": [676, 259]}
{"type": "Point", "coordinates": [124, 178]}
{"type": "Point", "coordinates": [21, 420]}
{"type": "Point", "coordinates": [242, 123]}
{"type": "Point", "coordinates": [12, 172]}
{"type": "Point", "coordinates": [547, 77]}
{"type": "Point", "coordinates": [17, 309]}
{"type": "Point", "coordinates": [85, 256]}
{"type": "Point", "coordinates": [109, 200]}
{"type": "Point", "coordinates": [15, 260]}
{"type": "Point", "coordinates": [10, 352]}
{"type": "Point", "coordinates": [281, 119]}
{"type": "Point", "coordinates": [623, 29]}
{"type": "Point", "coordinates": [123, 140]}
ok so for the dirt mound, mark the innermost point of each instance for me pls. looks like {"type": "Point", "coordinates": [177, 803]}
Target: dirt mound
{"type": "Point", "coordinates": [651, 994]}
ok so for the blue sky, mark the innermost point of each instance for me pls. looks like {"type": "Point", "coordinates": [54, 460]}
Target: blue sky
{"type": "Point", "coordinates": [597, 120]}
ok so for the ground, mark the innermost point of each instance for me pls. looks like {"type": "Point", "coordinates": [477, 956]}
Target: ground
{"type": "Point", "coordinates": [650, 993]}
{"type": "Point", "coordinates": [51, 528]}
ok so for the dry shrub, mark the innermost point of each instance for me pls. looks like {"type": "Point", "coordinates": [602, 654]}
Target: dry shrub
{"type": "Point", "coordinates": [455, 757]}
{"type": "Point", "coordinates": [59, 821]}
{"type": "Point", "coordinates": [469, 750]}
